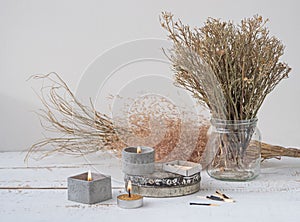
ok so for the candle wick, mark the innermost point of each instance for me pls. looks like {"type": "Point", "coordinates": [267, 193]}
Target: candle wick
{"type": "Point", "coordinates": [129, 193]}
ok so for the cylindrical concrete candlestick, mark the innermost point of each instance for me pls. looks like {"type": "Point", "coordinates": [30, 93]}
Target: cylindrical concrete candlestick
{"type": "Point", "coordinates": [138, 163]}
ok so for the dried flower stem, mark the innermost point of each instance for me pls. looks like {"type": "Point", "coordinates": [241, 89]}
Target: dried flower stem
{"type": "Point", "coordinates": [244, 60]}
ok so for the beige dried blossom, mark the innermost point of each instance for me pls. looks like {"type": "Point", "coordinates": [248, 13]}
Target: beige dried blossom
{"type": "Point", "coordinates": [243, 59]}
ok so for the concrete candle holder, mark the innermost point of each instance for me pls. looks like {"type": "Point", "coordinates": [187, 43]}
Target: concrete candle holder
{"type": "Point", "coordinates": [135, 163]}
{"type": "Point", "coordinates": [89, 192]}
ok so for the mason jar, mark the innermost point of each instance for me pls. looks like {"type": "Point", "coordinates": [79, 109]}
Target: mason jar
{"type": "Point", "coordinates": [235, 146]}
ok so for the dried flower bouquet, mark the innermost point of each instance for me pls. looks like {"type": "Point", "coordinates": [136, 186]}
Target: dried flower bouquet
{"type": "Point", "coordinates": [230, 69]}
{"type": "Point", "coordinates": [240, 62]}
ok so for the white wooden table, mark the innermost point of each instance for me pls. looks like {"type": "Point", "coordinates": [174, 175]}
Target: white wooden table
{"type": "Point", "coordinates": [37, 192]}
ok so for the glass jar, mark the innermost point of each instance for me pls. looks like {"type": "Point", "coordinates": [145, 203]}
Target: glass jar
{"type": "Point", "coordinates": [236, 148]}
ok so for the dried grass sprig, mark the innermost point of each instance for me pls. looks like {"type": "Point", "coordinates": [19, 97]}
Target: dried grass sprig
{"type": "Point", "coordinates": [199, 78]}
{"type": "Point", "coordinates": [271, 151]}
{"type": "Point", "coordinates": [244, 59]}
{"type": "Point", "coordinates": [81, 128]}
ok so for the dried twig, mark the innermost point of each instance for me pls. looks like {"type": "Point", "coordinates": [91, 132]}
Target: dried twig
{"type": "Point", "coordinates": [271, 151]}
{"type": "Point", "coordinates": [81, 129]}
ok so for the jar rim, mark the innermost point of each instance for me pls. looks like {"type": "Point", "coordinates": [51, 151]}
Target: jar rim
{"type": "Point", "coordinates": [216, 121]}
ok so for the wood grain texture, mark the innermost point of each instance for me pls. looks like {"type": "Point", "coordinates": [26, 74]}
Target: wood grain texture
{"type": "Point", "coordinates": [37, 192]}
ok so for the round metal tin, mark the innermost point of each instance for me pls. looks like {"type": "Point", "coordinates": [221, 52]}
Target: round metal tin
{"type": "Point", "coordinates": [129, 204]}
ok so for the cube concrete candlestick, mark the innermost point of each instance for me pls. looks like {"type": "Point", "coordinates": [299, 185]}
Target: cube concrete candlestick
{"type": "Point", "coordinates": [135, 163]}
{"type": "Point", "coordinates": [89, 192]}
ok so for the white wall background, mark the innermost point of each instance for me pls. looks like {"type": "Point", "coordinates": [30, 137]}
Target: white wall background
{"type": "Point", "coordinates": [65, 36]}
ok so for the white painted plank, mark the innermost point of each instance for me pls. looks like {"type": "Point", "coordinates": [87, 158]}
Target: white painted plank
{"type": "Point", "coordinates": [17, 159]}
{"type": "Point", "coordinates": [269, 180]}
{"type": "Point", "coordinates": [51, 177]}
{"type": "Point", "coordinates": [54, 170]}
{"type": "Point", "coordinates": [273, 196]}
{"type": "Point", "coordinates": [52, 205]}
{"type": "Point", "coordinates": [276, 175]}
